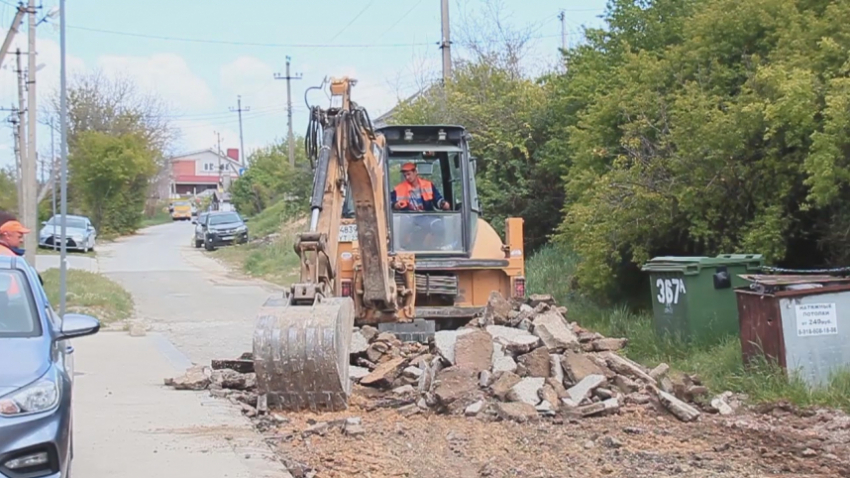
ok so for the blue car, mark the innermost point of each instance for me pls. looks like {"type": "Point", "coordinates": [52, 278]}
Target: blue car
{"type": "Point", "coordinates": [36, 376]}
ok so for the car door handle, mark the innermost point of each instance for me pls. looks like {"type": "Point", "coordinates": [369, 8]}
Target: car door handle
{"type": "Point", "coordinates": [69, 349]}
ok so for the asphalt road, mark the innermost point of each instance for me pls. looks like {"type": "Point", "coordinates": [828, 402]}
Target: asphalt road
{"type": "Point", "coordinates": [127, 422]}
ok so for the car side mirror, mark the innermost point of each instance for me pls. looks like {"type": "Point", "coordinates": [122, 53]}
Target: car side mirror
{"type": "Point", "coordinates": [78, 325]}
{"type": "Point", "coordinates": [43, 223]}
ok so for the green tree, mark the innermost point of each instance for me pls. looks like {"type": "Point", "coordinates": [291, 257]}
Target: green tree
{"type": "Point", "coordinates": [110, 175]}
{"type": "Point", "coordinates": [269, 179]}
{"type": "Point", "coordinates": [721, 129]}
{"type": "Point", "coordinates": [8, 191]}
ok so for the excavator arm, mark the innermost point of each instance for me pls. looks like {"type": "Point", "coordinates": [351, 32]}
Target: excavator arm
{"type": "Point", "coordinates": [301, 342]}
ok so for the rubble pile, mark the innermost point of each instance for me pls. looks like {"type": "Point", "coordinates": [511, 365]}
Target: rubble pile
{"type": "Point", "coordinates": [518, 361]}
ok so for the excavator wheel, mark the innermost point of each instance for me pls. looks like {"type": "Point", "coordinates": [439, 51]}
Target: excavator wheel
{"type": "Point", "coordinates": [301, 353]}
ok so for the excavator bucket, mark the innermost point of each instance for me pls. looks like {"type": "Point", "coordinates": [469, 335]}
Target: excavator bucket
{"type": "Point", "coordinates": [301, 353]}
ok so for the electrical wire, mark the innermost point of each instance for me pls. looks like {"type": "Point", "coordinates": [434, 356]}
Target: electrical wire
{"type": "Point", "coordinates": [353, 20]}
{"type": "Point", "coordinates": [239, 43]}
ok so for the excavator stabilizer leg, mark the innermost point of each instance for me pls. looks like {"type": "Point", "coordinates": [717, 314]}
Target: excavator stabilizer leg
{"type": "Point", "coordinates": [301, 353]}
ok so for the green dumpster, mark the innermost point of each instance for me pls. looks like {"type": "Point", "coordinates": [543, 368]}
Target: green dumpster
{"type": "Point", "coordinates": [694, 297]}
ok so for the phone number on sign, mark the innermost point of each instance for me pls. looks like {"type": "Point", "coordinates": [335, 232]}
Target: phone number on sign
{"type": "Point", "coordinates": [818, 331]}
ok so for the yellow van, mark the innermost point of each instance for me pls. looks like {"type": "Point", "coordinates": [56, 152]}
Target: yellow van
{"type": "Point", "coordinates": [182, 211]}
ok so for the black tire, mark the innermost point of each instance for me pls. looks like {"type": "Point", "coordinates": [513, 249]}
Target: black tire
{"type": "Point", "coordinates": [209, 246]}
{"type": "Point", "coordinates": [198, 244]}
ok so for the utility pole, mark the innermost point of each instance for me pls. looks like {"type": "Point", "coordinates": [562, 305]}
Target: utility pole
{"type": "Point", "coordinates": [445, 43]}
{"type": "Point", "coordinates": [288, 77]}
{"type": "Point", "coordinates": [21, 138]}
{"type": "Point", "coordinates": [63, 167]}
{"type": "Point", "coordinates": [30, 178]}
{"type": "Point", "coordinates": [15, 119]}
{"type": "Point", "coordinates": [10, 35]}
{"type": "Point", "coordinates": [563, 17]}
{"type": "Point", "coordinates": [239, 109]}
{"type": "Point", "coordinates": [218, 151]}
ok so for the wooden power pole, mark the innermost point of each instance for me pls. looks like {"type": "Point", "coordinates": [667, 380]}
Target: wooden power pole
{"type": "Point", "coordinates": [289, 77]}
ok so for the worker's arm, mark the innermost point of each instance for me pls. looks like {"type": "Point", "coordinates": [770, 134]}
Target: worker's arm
{"type": "Point", "coordinates": [438, 198]}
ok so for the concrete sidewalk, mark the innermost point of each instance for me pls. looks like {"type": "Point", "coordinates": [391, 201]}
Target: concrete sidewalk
{"type": "Point", "coordinates": [128, 424]}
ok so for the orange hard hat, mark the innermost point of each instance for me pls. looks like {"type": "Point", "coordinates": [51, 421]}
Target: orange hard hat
{"type": "Point", "coordinates": [408, 167]}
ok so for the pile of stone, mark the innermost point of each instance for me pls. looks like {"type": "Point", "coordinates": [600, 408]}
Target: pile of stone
{"type": "Point", "coordinates": [520, 361]}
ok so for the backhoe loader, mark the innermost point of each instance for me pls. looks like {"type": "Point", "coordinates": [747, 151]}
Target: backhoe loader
{"type": "Point", "coordinates": [364, 262]}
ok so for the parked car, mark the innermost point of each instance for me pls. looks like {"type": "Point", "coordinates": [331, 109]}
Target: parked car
{"type": "Point", "coordinates": [222, 228]}
{"type": "Point", "coordinates": [200, 224]}
{"type": "Point", "coordinates": [36, 376]}
{"type": "Point", "coordinates": [80, 234]}
{"type": "Point", "coordinates": [182, 211]}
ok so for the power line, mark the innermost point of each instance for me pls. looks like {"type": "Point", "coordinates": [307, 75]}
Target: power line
{"type": "Point", "coordinates": [270, 45]}
{"type": "Point", "coordinates": [353, 20]}
{"type": "Point", "coordinates": [402, 18]}
{"type": "Point", "coordinates": [239, 43]}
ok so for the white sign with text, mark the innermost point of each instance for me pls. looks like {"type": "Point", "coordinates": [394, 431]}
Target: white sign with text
{"type": "Point", "coordinates": [816, 319]}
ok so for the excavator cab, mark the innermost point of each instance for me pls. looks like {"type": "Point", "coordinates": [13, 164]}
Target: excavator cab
{"type": "Point", "coordinates": [459, 258]}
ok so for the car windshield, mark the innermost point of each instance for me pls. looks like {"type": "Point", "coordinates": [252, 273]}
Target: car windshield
{"type": "Point", "coordinates": [17, 317]}
{"type": "Point", "coordinates": [181, 204]}
{"type": "Point", "coordinates": [224, 218]}
{"type": "Point", "coordinates": [74, 222]}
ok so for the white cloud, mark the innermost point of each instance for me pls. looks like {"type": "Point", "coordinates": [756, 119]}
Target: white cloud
{"type": "Point", "coordinates": [166, 74]}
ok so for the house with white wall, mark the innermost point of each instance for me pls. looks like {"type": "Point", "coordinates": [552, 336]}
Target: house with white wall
{"type": "Point", "coordinates": [198, 171]}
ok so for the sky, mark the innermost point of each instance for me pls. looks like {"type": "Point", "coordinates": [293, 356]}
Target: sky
{"type": "Point", "coordinates": [199, 56]}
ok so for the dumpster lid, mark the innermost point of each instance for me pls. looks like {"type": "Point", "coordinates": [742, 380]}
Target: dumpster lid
{"type": "Point", "coordinates": [695, 263]}
{"type": "Point", "coordinates": [772, 284]}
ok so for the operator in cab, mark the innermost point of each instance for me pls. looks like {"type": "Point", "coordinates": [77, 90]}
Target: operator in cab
{"type": "Point", "coordinates": [415, 193]}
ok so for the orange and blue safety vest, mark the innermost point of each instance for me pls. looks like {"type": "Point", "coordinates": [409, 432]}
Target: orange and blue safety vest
{"type": "Point", "coordinates": [425, 198]}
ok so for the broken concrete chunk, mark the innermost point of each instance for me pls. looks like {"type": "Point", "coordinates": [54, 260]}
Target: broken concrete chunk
{"type": "Point", "coordinates": [545, 408]}
{"type": "Point", "coordinates": [659, 371]}
{"type": "Point", "coordinates": [354, 430]}
{"type": "Point", "coordinates": [526, 390]}
{"type": "Point", "coordinates": [503, 384]}
{"type": "Point", "coordinates": [526, 325]}
{"type": "Point", "coordinates": [582, 390]}
{"type": "Point", "coordinates": [384, 374]}
{"type": "Point", "coordinates": [604, 345]}
{"type": "Point", "coordinates": [719, 405]}
{"type": "Point", "coordinates": [516, 411]}
{"type": "Point", "coordinates": [638, 398]}
{"type": "Point", "coordinates": [625, 384]}
{"type": "Point", "coordinates": [536, 299]}
{"type": "Point", "coordinates": [413, 372]}
{"type": "Point", "coordinates": [474, 409]}
{"type": "Point", "coordinates": [514, 340]}
{"type": "Point", "coordinates": [445, 342]}
{"type": "Point", "coordinates": [536, 362]}
{"type": "Point", "coordinates": [474, 350]}
{"type": "Point", "coordinates": [678, 408]}
{"type": "Point", "coordinates": [586, 336]}
{"type": "Point", "coordinates": [356, 373]}
{"type": "Point", "coordinates": [195, 378]}
{"type": "Point", "coordinates": [376, 351]}
{"type": "Point", "coordinates": [556, 370]}
{"type": "Point", "coordinates": [387, 337]}
{"type": "Point", "coordinates": [553, 330]}
{"type": "Point", "coordinates": [318, 428]}
{"type": "Point", "coordinates": [577, 366]}
{"type": "Point", "coordinates": [557, 386]}
{"type": "Point", "coordinates": [548, 394]}
{"type": "Point", "coordinates": [484, 378]}
{"type": "Point", "coordinates": [234, 380]}
{"type": "Point", "coordinates": [498, 309]}
{"type": "Point", "coordinates": [625, 366]}
{"type": "Point", "coordinates": [359, 344]}
{"type": "Point", "coordinates": [369, 333]}
{"type": "Point", "coordinates": [504, 364]}
{"type": "Point", "coordinates": [404, 390]}
{"type": "Point", "coordinates": [456, 388]}
{"type": "Point", "coordinates": [604, 393]}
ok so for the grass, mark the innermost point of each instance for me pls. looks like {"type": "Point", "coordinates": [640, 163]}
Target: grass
{"type": "Point", "coordinates": [274, 259]}
{"type": "Point", "coordinates": [160, 217]}
{"type": "Point", "coordinates": [90, 293]}
{"type": "Point", "coordinates": [719, 364]}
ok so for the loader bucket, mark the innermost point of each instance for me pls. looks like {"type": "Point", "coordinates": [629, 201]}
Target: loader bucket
{"type": "Point", "coordinates": [301, 353]}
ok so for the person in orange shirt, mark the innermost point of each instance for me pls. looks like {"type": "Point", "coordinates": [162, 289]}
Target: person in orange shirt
{"type": "Point", "coordinates": [415, 193]}
{"type": "Point", "coordinates": [11, 237]}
